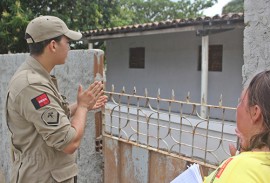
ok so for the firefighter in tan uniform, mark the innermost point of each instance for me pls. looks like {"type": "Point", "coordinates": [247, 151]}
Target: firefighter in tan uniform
{"type": "Point", "coordinates": [45, 130]}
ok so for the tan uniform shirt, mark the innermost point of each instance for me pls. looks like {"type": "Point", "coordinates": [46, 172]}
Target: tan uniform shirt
{"type": "Point", "coordinates": [38, 119]}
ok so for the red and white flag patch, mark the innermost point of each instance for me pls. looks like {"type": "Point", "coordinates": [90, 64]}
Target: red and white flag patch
{"type": "Point", "coordinates": [40, 101]}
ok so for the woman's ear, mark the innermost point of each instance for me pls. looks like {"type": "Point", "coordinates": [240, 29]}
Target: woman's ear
{"type": "Point", "coordinates": [256, 114]}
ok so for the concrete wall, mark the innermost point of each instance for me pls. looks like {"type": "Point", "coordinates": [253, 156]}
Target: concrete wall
{"type": "Point", "coordinates": [78, 69]}
{"type": "Point", "coordinates": [257, 38]}
{"type": "Point", "coordinates": [171, 62]}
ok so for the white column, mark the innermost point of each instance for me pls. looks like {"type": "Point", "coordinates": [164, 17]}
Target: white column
{"type": "Point", "coordinates": [204, 76]}
{"type": "Point", "coordinates": [90, 45]}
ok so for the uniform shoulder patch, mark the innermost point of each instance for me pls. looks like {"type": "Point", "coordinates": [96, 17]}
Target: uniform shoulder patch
{"type": "Point", "coordinates": [51, 117]}
{"type": "Point", "coordinates": [40, 101]}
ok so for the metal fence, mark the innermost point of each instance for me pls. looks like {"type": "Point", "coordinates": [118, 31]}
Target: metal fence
{"type": "Point", "coordinates": [171, 127]}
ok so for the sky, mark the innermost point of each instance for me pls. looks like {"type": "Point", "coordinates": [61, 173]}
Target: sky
{"type": "Point", "coordinates": [216, 9]}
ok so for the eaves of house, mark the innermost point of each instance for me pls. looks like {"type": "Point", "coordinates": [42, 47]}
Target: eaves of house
{"type": "Point", "coordinates": [201, 25]}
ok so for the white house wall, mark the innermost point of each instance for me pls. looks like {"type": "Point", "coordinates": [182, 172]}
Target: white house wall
{"type": "Point", "coordinates": [171, 62]}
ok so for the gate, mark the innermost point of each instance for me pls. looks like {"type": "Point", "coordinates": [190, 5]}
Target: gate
{"type": "Point", "coordinates": [152, 139]}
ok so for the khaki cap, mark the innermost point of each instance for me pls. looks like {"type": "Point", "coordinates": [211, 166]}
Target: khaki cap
{"type": "Point", "coordinates": [47, 27]}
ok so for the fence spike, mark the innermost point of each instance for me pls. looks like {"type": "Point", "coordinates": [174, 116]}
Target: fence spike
{"type": "Point", "coordinates": [220, 100]}
{"type": "Point", "coordinates": [158, 95]}
{"type": "Point", "coordinates": [173, 96]}
{"type": "Point", "coordinates": [188, 96]}
{"type": "Point", "coordinates": [112, 87]}
{"type": "Point", "coordinates": [123, 89]}
{"type": "Point", "coordinates": [134, 90]}
{"type": "Point", "coordinates": [146, 92]}
{"type": "Point", "coordinates": [146, 96]}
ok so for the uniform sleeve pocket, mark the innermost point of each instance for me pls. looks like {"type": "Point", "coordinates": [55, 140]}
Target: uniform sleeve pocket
{"type": "Point", "coordinates": [65, 173]}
